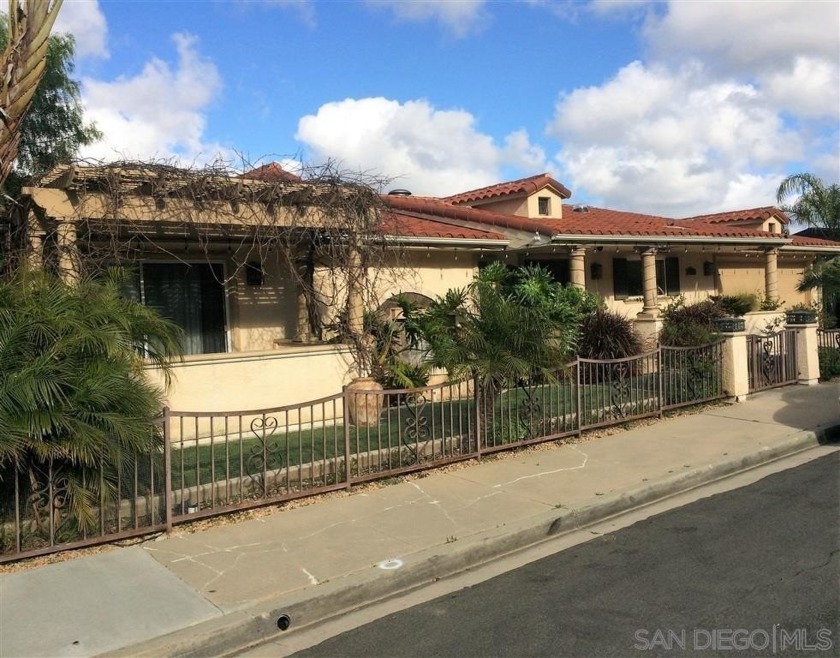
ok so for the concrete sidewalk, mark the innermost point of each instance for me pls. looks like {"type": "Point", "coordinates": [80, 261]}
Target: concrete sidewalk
{"type": "Point", "coordinates": [222, 588]}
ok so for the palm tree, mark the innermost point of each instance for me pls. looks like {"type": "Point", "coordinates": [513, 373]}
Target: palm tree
{"type": "Point", "coordinates": [817, 205]}
{"type": "Point", "coordinates": [811, 201]}
{"type": "Point", "coordinates": [507, 327]}
{"type": "Point", "coordinates": [23, 64]}
{"type": "Point", "coordinates": [76, 408]}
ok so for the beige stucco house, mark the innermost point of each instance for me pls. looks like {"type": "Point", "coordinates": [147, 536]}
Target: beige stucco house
{"type": "Point", "coordinates": [251, 341]}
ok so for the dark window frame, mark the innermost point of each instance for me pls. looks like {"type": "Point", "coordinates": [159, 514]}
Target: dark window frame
{"type": "Point", "coordinates": [628, 281]}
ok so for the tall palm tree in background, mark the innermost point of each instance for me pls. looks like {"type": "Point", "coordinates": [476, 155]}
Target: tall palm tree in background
{"type": "Point", "coordinates": [817, 205]}
{"type": "Point", "coordinates": [23, 63]}
{"type": "Point", "coordinates": [811, 202]}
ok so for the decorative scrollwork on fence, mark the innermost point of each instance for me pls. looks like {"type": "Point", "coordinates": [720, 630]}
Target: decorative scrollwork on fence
{"type": "Point", "coordinates": [529, 411]}
{"type": "Point", "coordinates": [620, 387]}
{"type": "Point", "coordinates": [47, 508]}
{"type": "Point", "coordinates": [265, 457]}
{"type": "Point", "coordinates": [768, 360]}
{"type": "Point", "coordinates": [416, 434]}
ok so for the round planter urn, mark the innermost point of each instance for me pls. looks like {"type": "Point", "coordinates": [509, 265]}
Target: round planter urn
{"type": "Point", "coordinates": [364, 401]}
{"type": "Point", "coordinates": [801, 317]}
{"type": "Point", "coordinates": [729, 325]}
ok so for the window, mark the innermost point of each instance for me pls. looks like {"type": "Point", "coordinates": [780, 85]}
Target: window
{"type": "Point", "coordinates": [192, 295]}
{"type": "Point", "coordinates": [627, 277]}
{"type": "Point", "coordinates": [544, 205]}
{"type": "Point", "coordinates": [559, 269]}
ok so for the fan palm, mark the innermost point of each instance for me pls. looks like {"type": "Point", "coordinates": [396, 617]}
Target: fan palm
{"type": "Point", "coordinates": [75, 405]}
{"type": "Point", "coordinates": [818, 206]}
{"type": "Point", "coordinates": [506, 326]}
{"type": "Point", "coordinates": [811, 201]}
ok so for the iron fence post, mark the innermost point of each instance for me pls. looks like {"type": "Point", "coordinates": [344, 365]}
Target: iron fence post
{"type": "Point", "coordinates": [578, 397]}
{"type": "Point", "coordinates": [477, 399]}
{"type": "Point", "coordinates": [167, 469]}
{"type": "Point", "coordinates": [660, 378]}
{"type": "Point", "coordinates": [345, 408]}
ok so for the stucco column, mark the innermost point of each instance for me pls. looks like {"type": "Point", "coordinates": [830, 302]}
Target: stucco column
{"type": "Point", "coordinates": [303, 331]}
{"type": "Point", "coordinates": [650, 308]}
{"type": "Point", "coordinates": [577, 269]}
{"type": "Point", "coordinates": [355, 302]}
{"type": "Point", "coordinates": [35, 254]}
{"type": "Point", "coordinates": [736, 378]}
{"type": "Point", "coordinates": [771, 278]}
{"type": "Point", "coordinates": [807, 354]}
{"type": "Point", "coordinates": [67, 256]}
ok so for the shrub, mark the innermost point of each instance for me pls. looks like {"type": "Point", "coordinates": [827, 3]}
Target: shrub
{"type": "Point", "coordinates": [607, 335]}
{"type": "Point", "coordinates": [737, 305]}
{"type": "Point", "coordinates": [829, 358]}
{"type": "Point", "coordinates": [689, 325]}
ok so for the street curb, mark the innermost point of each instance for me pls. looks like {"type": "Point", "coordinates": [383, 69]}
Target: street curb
{"type": "Point", "coordinates": [258, 623]}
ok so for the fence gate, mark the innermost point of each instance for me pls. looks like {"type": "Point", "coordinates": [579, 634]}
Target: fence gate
{"type": "Point", "coordinates": [772, 360]}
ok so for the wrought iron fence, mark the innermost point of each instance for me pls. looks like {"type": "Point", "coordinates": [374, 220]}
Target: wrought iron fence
{"type": "Point", "coordinates": [829, 338]}
{"type": "Point", "coordinates": [771, 360]}
{"type": "Point", "coordinates": [213, 463]}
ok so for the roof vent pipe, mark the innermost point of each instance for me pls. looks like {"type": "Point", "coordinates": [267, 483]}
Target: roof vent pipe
{"type": "Point", "coordinates": [399, 192]}
{"type": "Point", "coordinates": [581, 208]}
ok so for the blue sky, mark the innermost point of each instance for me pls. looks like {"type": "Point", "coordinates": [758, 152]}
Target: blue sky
{"type": "Point", "coordinates": [674, 108]}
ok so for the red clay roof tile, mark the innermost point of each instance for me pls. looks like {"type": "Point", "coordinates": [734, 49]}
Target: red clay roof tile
{"type": "Point", "coordinates": [433, 207]}
{"type": "Point", "coordinates": [523, 185]}
{"type": "Point", "coordinates": [410, 226]}
{"type": "Point", "coordinates": [748, 215]}
{"type": "Point", "coordinates": [271, 173]}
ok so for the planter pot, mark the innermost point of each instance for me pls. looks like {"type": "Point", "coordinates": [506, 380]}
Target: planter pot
{"type": "Point", "coordinates": [801, 317]}
{"type": "Point", "coordinates": [364, 401]}
{"type": "Point", "coordinates": [729, 325]}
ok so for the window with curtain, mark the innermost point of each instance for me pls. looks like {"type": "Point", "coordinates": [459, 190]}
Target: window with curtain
{"type": "Point", "coordinates": [627, 277]}
{"type": "Point", "coordinates": [192, 295]}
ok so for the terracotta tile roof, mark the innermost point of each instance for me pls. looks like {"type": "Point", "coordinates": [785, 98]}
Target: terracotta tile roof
{"type": "Point", "coordinates": [521, 186]}
{"type": "Point", "coordinates": [807, 241]}
{"type": "Point", "coordinates": [271, 173]}
{"type": "Point", "coordinates": [411, 226]}
{"type": "Point", "coordinates": [734, 216]}
{"type": "Point", "coordinates": [432, 207]}
{"type": "Point", "coordinates": [605, 222]}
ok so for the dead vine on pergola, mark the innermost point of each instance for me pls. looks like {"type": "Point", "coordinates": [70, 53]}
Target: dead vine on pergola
{"type": "Point", "coordinates": [324, 225]}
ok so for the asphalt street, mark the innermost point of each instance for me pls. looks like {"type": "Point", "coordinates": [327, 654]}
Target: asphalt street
{"type": "Point", "coordinates": [749, 572]}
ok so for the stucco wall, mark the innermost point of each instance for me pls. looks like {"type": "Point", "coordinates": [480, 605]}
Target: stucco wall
{"type": "Point", "coordinates": [237, 382]}
{"type": "Point", "coordinates": [261, 315]}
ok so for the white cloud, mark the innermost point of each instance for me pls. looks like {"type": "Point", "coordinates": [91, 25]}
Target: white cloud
{"type": "Point", "coordinates": [746, 36]}
{"type": "Point", "coordinates": [159, 113]}
{"type": "Point", "coordinates": [672, 142]}
{"type": "Point", "coordinates": [86, 22]}
{"type": "Point", "coordinates": [460, 17]}
{"type": "Point", "coordinates": [790, 48]}
{"type": "Point", "coordinates": [430, 151]}
{"type": "Point", "coordinates": [728, 96]}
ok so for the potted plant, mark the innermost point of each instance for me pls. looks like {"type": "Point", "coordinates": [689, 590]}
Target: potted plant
{"type": "Point", "coordinates": [801, 314]}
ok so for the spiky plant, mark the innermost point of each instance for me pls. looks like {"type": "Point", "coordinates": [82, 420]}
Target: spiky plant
{"type": "Point", "coordinates": [608, 335]}
{"type": "Point", "coordinates": [76, 408]}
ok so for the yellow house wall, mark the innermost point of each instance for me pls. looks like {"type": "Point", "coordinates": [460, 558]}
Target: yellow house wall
{"type": "Point", "coordinates": [257, 380]}
{"type": "Point", "coordinates": [518, 206]}
{"type": "Point", "coordinates": [263, 314]}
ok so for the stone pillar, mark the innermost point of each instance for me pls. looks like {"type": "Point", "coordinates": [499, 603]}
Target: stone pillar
{"type": "Point", "coordinates": [577, 269]}
{"type": "Point", "coordinates": [67, 255]}
{"type": "Point", "coordinates": [650, 309]}
{"type": "Point", "coordinates": [736, 377]}
{"type": "Point", "coordinates": [771, 278]}
{"type": "Point", "coordinates": [807, 354]}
